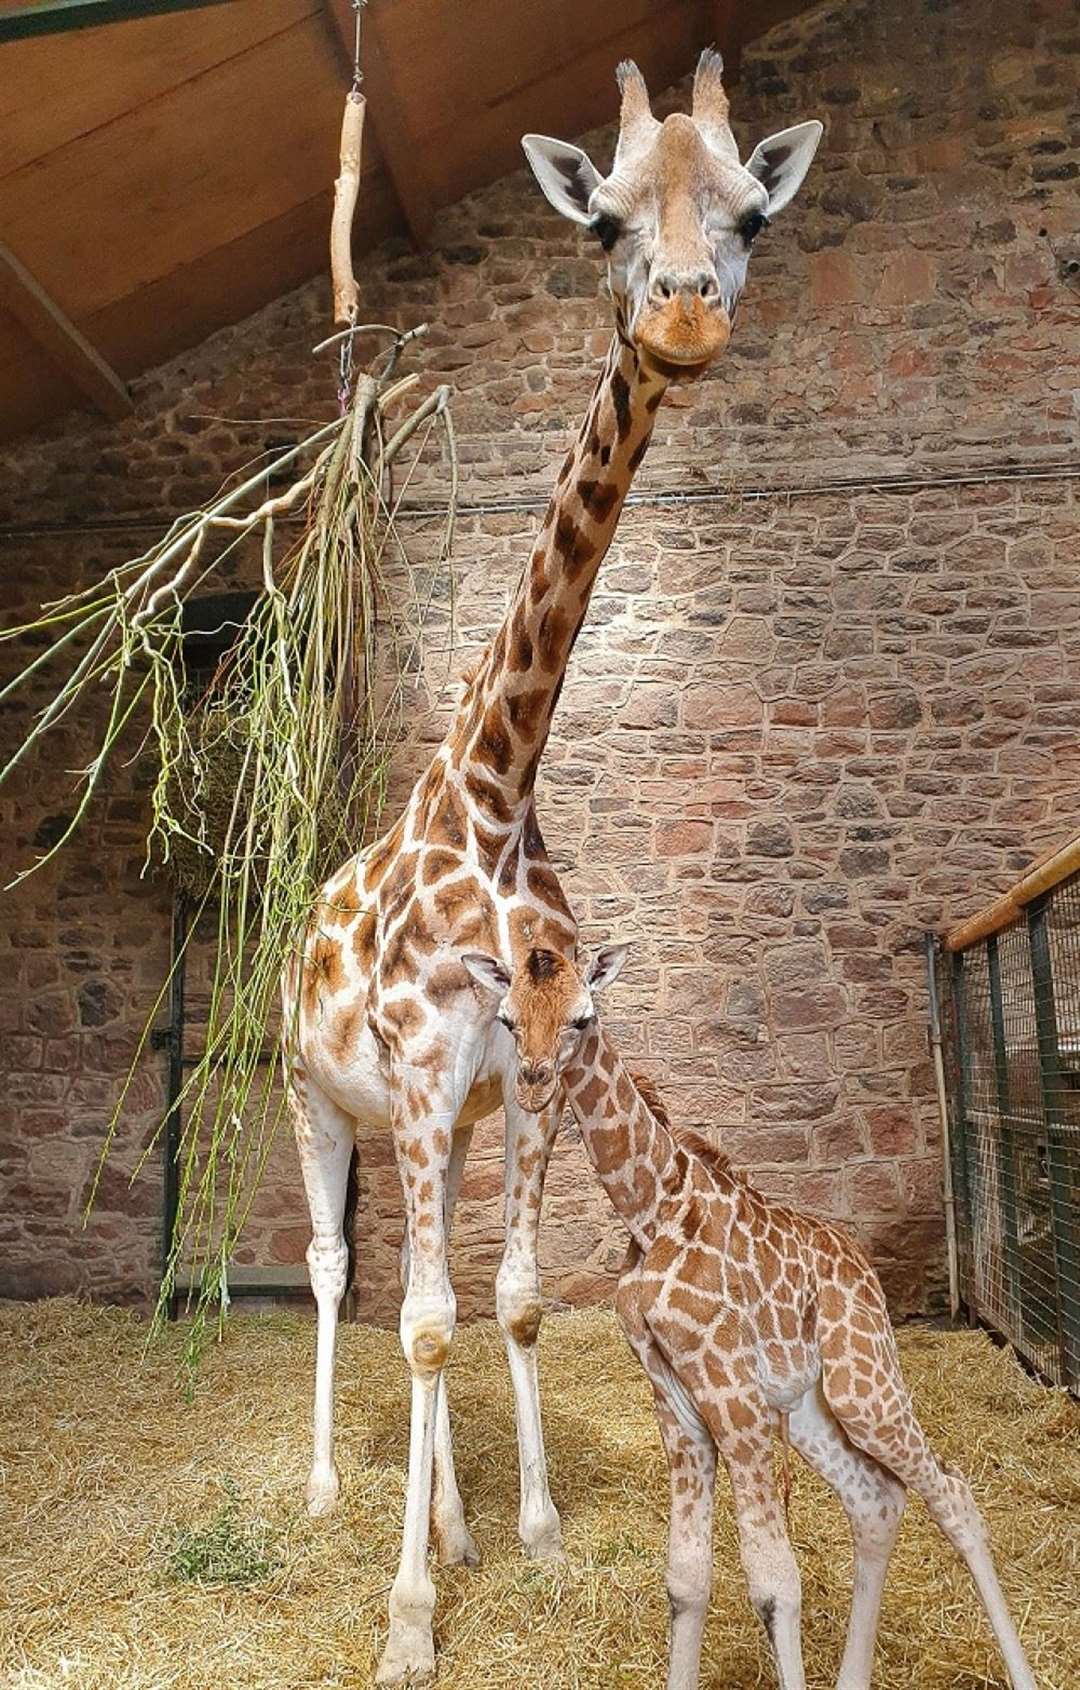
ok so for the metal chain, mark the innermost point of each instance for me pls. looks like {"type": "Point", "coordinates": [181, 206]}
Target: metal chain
{"type": "Point", "coordinates": [357, 74]}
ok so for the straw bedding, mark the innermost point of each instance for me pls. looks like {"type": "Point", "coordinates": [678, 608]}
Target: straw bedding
{"type": "Point", "coordinates": [127, 1511]}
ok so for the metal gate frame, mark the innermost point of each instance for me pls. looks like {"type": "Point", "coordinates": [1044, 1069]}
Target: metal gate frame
{"type": "Point", "coordinates": [1011, 1038]}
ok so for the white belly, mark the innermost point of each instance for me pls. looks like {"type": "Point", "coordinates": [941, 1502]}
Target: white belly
{"type": "Point", "coordinates": [358, 1084]}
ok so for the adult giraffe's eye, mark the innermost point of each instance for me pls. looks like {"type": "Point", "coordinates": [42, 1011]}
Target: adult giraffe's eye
{"type": "Point", "coordinates": [581, 1023]}
{"type": "Point", "coordinates": [606, 230]}
{"type": "Point", "coordinates": [752, 224]}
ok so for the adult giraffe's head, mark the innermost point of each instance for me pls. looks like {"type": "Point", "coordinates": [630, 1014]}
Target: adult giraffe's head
{"type": "Point", "coordinates": [547, 1007]}
{"type": "Point", "coordinates": [678, 214]}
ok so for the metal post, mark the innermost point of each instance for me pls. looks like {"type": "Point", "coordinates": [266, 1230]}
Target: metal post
{"type": "Point", "coordinates": [934, 1015]}
{"type": "Point", "coordinates": [1066, 1256]}
{"type": "Point", "coordinates": [963, 1098]}
{"type": "Point", "coordinates": [1007, 1163]}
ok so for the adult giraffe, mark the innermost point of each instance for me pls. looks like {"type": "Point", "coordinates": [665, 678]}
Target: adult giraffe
{"type": "Point", "coordinates": [390, 1034]}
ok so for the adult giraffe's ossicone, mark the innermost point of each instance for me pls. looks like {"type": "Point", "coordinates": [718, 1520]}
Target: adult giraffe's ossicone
{"type": "Point", "coordinates": [388, 1032]}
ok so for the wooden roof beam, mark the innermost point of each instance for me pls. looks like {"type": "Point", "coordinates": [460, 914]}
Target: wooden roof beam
{"type": "Point", "coordinates": [27, 301]}
{"type": "Point", "coordinates": [728, 31]}
{"type": "Point", "coordinates": [386, 112]}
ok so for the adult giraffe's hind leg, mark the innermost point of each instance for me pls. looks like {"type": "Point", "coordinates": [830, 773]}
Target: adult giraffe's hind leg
{"type": "Point", "coordinates": [874, 1503]}
{"type": "Point", "coordinates": [324, 1141]}
{"type": "Point", "coordinates": [529, 1140]}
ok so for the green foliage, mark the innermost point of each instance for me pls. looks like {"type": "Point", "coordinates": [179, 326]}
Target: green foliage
{"type": "Point", "coordinates": [227, 1551]}
{"type": "Point", "coordinates": [276, 775]}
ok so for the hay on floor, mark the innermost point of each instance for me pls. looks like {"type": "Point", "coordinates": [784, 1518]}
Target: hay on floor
{"type": "Point", "coordinates": [148, 1543]}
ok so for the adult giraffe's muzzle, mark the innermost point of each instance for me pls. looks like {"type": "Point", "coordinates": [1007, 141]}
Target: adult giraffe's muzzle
{"type": "Point", "coordinates": [684, 332]}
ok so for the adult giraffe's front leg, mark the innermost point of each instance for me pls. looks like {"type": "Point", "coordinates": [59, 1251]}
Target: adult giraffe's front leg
{"type": "Point", "coordinates": [529, 1140]}
{"type": "Point", "coordinates": [423, 1131]}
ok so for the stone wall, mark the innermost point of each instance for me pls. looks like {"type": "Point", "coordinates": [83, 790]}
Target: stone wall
{"type": "Point", "coordinates": [825, 699]}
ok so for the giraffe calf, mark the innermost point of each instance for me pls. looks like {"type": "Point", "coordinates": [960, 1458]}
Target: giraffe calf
{"type": "Point", "coordinates": [746, 1316]}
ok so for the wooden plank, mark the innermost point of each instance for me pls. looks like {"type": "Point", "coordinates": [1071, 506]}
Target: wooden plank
{"type": "Point", "coordinates": [27, 301]}
{"type": "Point", "coordinates": [386, 112]}
{"type": "Point", "coordinates": [55, 17]}
{"type": "Point", "coordinates": [181, 309]}
{"type": "Point", "coordinates": [52, 91]}
{"type": "Point", "coordinates": [182, 176]}
{"type": "Point", "coordinates": [481, 145]}
{"type": "Point", "coordinates": [243, 1280]}
{"type": "Point", "coordinates": [459, 57]}
{"type": "Point", "coordinates": [1045, 873]}
{"type": "Point", "coordinates": [729, 23]}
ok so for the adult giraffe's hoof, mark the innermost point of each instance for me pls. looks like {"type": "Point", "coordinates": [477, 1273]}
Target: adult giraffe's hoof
{"type": "Point", "coordinates": [409, 1656]}
{"type": "Point", "coordinates": [543, 1542]}
{"type": "Point", "coordinates": [455, 1546]}
{"type": "Point", "coordinates": [321, 1492]}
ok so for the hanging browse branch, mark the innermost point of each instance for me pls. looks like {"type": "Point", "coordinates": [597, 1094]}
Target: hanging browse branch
{"type": "Point", "coordinates": [346, 189]}
{"type": "Point", "coordinates": [278, 771]}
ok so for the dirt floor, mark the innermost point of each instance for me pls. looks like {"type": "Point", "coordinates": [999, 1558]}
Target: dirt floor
{"type": "Point", "coordinates": [147, 1541]}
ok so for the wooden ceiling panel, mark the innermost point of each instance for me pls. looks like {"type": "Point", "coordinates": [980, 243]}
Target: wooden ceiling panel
{"type": "Point", "coordinates": [54, 88]}
{"type": "Point", "coordinates": [181, 176]}
{"type": "Point", "coordinates": [573, 97]}
{"type": "Point", "coordinates": [182, 308]}
{"type": "Point", "coordinates": [460, 55]}
{"type": "Point", "coordinates": [163, 177]}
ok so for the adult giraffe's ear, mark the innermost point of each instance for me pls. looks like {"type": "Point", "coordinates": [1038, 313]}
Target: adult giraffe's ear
{"type": "Point", "coordinates": [606, 966]}
{"type": "Point", "coordinates": [487, 970]}
{"type": "Point", "coordinates": [566, 175]}
{"type": "Point", "coordinates": [781, 162]}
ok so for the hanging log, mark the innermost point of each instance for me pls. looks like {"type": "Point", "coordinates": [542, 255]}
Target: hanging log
{"type": "Point", "coordinates": [346, 189]}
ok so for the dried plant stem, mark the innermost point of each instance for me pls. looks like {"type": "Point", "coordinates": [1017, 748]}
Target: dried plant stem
{"type": "Point", "coordinates": [290, 733]}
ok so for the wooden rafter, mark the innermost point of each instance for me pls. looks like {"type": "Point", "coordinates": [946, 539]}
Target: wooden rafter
{"type": "Point", "coordinates": [27, 301]}
{"type": "Point", "coordinates": [728, 34]}
{"type": "Point", "coordinates": [48, 17]}
{"type": "Point", "coordinates": [386, 113]}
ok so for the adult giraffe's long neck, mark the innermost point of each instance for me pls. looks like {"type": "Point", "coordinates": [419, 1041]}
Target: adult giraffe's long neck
{"type": "Point", "coordinates": [505, 717]}
{"type": "Point", "coordinates": [640, 1163]}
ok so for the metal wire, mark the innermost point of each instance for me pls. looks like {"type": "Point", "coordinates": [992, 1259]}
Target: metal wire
{"type": "Point", "coordinates": [357, 73]}
{"type": "Point", "coordinates": [1012, 1038]}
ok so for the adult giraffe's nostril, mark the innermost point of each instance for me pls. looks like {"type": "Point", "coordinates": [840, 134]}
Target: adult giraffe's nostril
{"type": "Point", "coordinates": [691, 284]}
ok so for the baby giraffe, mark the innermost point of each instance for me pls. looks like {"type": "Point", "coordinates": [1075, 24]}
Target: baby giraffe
{"type": "Point", "coordinates": [745, 1316]}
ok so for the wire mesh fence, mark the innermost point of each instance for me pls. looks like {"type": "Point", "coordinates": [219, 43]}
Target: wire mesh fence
{"type": "Point", "coordinates": [1012, 1040]}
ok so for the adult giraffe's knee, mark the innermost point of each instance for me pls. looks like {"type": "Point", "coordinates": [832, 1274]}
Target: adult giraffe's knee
{"type": "Point", "coordinates": [427, 1332]}
{"type": "Point", "coordinates": [518, 1307]}
{"type": "Point", "coordinates": [328, 1269]}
